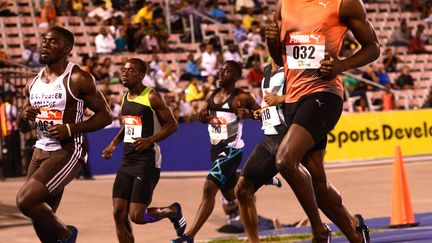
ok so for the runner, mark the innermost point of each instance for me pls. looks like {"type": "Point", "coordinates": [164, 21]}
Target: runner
{"type": "Point", "coordinates": [56, 100]}
{"type": "Point", "coordinates": [146, 121]}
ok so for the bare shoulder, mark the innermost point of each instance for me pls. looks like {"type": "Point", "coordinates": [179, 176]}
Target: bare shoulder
{"type": "Point", "coordinates": [352, 9]}
{"type": "Point", "coordinates": [82, 82]}
{"type": "Point", "coordinates": [156, 99]}
{"type": "Point", "coordinates": [80, 76]}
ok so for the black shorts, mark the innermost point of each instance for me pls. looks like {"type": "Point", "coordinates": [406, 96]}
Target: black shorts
{"type": "Point", "coordinates": [225, 161]}
{"type": "Point", "coordinates": [136, 185]}
{"type": "Point", "coordinates": [318, 113]}
{"type": "Point", "coordinates": [261, 164]}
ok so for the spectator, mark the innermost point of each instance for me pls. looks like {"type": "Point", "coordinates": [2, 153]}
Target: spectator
{"type": "Point", "coordinates": [240, 34]}
{"type": "Point", "coordinates": [371, 75]}
{"type": "Point", "coordinates": [192, 68]}
{"type": "Point", "coordinates": [232, 53]}
{"type": "Point", "coordinates": [401, 36]}
{"type": "Point", "coordinates": [146, 13]}
{"type": "Point", "coordinates": [185, 109]}
{"type": "Point", "coordinates": [166, 80]}
{"type": "Point", "coordinates": [390, 61]}
{"type": "Point", "coordinates": [161, 34]}
{"type": "Point", "coordinates": [194, 91]}
{"type": "Point", "coordinates": [4, 10]}
{"type": "Point", "coordinates": [428, 102]}
{"type": "Point", "coordinates": [418, 42]}
{"type": "Point", "coordinates": [243, 6]}
{"type": "Point", "coordinates": [30, 55]}
{"type": "Point", "coordinates": [382, 75]}
{"type": "Point", "coordinates": [121, 40]}
{"type": "Point", "coordinates": [76, 7]}
{"type": "Point", "coordinates": [104, 42]}
{"type": "Point", "coordinates": [87, 63]}
{"type": "Point", "coordinates": [217, 13]}
{"type": "Point", "coordinates": [248, 19]}
{"type": "Point", "coordinates": [362, 106]}
{"type": "Point", "coordinates": [101, 12]}
{"type": "Point", "coordinates": [254, 38]}
{"type": "Point", "coordinates": [47, 15]}
{"type": "Point", "coordinates": [115, 109]}
{"type": "Point", "coordinates": [209, 62]}
{"type": "Point", "coordinates": [255, 75]}
{"type": "Point", "coordinates": [154, 64]}
{"type": "Point", "coordinates": [405, 80]}
{"type": "Point", "coordinates": [388, 98]}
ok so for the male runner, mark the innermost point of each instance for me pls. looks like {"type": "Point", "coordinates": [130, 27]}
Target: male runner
{"type": "Point", "coordinates": [56, 100]}
{"type": "Point", "coordinates": [261, 164]}
{"type": "Point", "coordinates": [307, 45]}
{"type": "Point", "coordinates": [223, 111]}
{"type": "Point", "coordinates": [146, 121]}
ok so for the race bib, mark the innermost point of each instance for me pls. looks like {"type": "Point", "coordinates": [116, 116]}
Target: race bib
{"type": "Point", "coordinates": [270, 117]}
{"type": "Point", "coordinates": [305, 50]}
{"type": "Point", "coordinates": [218, 128]}
{"type": "Point", "coordinates": [133, 128]}
{"type": "Point", "coordinates": [47, 117]}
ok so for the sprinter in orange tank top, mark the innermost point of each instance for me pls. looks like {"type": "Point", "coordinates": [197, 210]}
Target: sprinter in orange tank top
{"type": "Point", "coordinates": [305, 36]}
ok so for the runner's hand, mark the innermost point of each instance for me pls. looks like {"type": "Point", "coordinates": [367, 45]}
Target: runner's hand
{"type": "Point", "coordinates": [58, 131]}
{"type": "Point", "coordinates": [272, 30]}
{"type": "Point", "coordinates": [242, 112]}
{"type": "Point", "coordinates": [141, 144]}
{"type": "Point", "coordinates": [330, 67]}
{"type": "Point", "coordinates": [108, 152]}
{"type": "Point", "coordinates": [257, 114]}
{"type": "Point", "coordinates": [203, 116]}
{"type": "Point", "coordinates": [30, 113]}
{"type": "Point", "coordinates": [271, 99]}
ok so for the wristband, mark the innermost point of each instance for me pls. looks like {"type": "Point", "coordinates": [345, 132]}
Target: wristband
{"type": "Point", "coordinates": [69, 130]}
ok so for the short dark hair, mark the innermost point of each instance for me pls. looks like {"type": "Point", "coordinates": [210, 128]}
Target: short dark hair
{"type": "Point", "coordinates": [141, 65]}
{"type": "Point", "coordinates": [66, 33]}
{"type": "Point", "coordinates": [237, 67]}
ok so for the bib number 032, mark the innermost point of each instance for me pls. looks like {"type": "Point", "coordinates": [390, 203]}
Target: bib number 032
{"type": "Point", "coordinates": [303, 52]}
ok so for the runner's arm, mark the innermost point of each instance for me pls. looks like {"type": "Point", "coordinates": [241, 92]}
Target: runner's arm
{"type": "Point", "coordinates": [27, 114]}
{"type": "Point", "coordinates": [165, 116]}
{"type": "Point", "coordinates": [353, 14]}
{"type": "Point", "coordinates": [273, 36]}
{"type": "Point", "coordinates": [85, 85]}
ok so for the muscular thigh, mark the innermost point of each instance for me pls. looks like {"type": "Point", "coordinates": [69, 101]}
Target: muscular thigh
{"type": "Point", "coordinates": [261, 164]}
{"type": "Point", "coordinates": [55, 169]}
{"type": "Point", "coordinates": [225, 162]}
{"type": "Point", "coordinates": [136, 184]}
{"type": "Point", "coordinates": [318, 113]}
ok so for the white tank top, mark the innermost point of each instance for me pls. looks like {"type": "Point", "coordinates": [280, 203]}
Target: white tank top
{"type": "Point", "coordinates": [272, 116]}
{"type": "Point", "coordinates": [51, 98]}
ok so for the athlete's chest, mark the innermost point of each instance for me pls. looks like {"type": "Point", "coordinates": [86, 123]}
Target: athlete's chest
{"type": "Point", "coordinates": [317, 15]}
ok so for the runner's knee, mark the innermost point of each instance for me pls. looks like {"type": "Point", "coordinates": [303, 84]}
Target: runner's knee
{"type": "Point", "coordinates": [120, 214]}
{"type": "Point", "coordinates": [286, 165]}
{"type": "Point", "coordinates": [244, 190]}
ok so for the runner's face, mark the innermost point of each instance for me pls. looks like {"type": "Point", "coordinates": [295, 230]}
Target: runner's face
{"type": "Point", "coordinates": [52, 48]}
{"type": "Point", "coordinates": [227, 75]}
{"type": "Point", "coordinates": [130, 75]}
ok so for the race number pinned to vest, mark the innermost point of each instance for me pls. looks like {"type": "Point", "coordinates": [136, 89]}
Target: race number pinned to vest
{"type": "Point", "coordinates": [305, 50]}
{"type": "Point", "coordinates": [218, 128]}
{"type": "Point", "coordinates": [133, 128]}
{"type": "Point", "coordinates": [270, 117]}
{"type": "Point", "coordinates": [47, 117]}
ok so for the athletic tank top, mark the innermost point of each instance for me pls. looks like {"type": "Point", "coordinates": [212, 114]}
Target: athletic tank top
{"type": "Point", "coordinates": [225, 128]}
{"type": "Point", "coordinates": [140, 120]}
{"type": "Point", "coordinates": [52, 98]}
{"type": "Point", "coordinates": [272, 117]}
{"type": "Point", "coordinates": [314, 29]}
